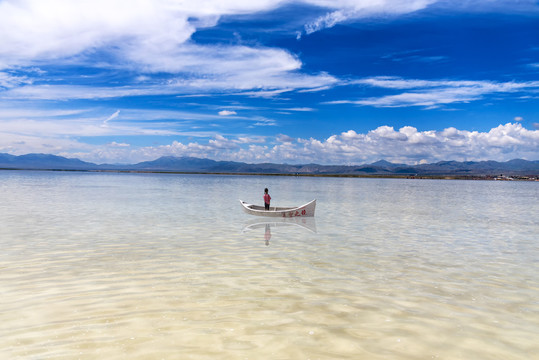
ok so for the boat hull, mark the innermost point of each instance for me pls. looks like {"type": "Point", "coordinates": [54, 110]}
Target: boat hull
{"type": "Point", "coordinates": [282, 212]}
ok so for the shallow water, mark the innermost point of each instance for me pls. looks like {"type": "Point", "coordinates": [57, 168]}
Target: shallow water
{"type": "Point", "coordinates": [148, 266]}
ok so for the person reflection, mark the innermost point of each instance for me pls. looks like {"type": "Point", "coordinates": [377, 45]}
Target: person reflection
{"type": "Point", "coordinates": [267, 234]}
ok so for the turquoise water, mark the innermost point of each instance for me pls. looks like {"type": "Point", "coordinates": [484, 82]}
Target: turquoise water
{"type": "Point", "coordinates": [156, 266]}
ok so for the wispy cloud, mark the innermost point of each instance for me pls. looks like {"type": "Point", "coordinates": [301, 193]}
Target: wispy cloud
{"type": "Point", "coordinates": [300, 109]}
{"type": "Point", "coordinates": [21, 113]}
{"type": "Point", "coordinates": [429, 93]}
{"type": "Point", "coordinates": [347, 10]}
{"type": "Point", "coordinates": [112, 117]}
{"type": "Point", "coordinates": [262, 121]}
{"type": "Point", "coordinates": [415, 55]}
{"type": "Point", "coordinates": [227, 112]}
{"type": "Point", "coordinates": [246, 82]}
{"type": "Point", "coordinates": [155, 37]}
{"type": "Point", "coordinates": [147, 37]}
{"type": "Point", "coordinates": [9, 81]}
{"type": "Point", "coordinates": [52, 124]}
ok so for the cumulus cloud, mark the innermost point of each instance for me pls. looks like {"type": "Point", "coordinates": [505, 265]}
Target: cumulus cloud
{"type": "Point", "coordinates": [120, 145]}
{"type": "Point", "coordinates": [220, 142]}
{"type": "Point", "coordinates": [404, 145]}
{"type": "Point", "coordinates": [383, 132]}
{"type": "Point", "coordinates": [284, 138]}
{"type": "Point", "coordinates": [409, 145]}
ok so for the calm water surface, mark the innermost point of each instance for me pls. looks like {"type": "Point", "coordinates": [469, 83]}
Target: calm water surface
{"type": "Point", "coordinates": [147, 266]}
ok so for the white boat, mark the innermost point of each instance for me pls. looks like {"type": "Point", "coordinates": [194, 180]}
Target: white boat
{"type": "Point", "coordinates": [284, 212]}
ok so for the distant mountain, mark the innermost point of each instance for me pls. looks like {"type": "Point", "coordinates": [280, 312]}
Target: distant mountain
{"type": "Point", "coordinates": [175, 163]}
{"type": "Point", "coordinates": [513, 167]}
{"type": "Point", "coordinates": [43, 162]}
{"type": "Point", "coordinates": [196, 165]}
{"type": "Point", "coordinates": [387, 164]}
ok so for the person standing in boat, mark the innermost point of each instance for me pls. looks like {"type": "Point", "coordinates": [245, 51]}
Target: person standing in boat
{"type": "Point", "coordinates": [267, 199]}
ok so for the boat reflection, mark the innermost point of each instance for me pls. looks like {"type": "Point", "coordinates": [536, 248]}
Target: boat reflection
{"type": "Point", "coordinates": [307, 223]}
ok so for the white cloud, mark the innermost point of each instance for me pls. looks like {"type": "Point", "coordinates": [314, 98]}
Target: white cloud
{"type": "Point", "coordinates": [347, 10]}
{"type": "Point", "coordinates": [35, 29]}
{"type": "Point", "coordinates": [9, 81]}
{"type": "Point", "coordinates": [121, 145]}
{"type": "Point", "coordinates": [145, 36]}
{"type": "Point", "coordinates": [112, 117]}
{"type": "Point", "coordinates": [155, 36]}
{"type": "Point", "coordinates": [227, 112]}
{"type": "Point", "coordinates": [251, 140]}
{"type": "Point", "coordinates": [405, 145]}
{"type": "Point", "coordinates": [53, 124]}
{"type": "Point", "coordinates": [15, 113]}
{"type": "Point", "coordinates": [148, 38]}
{"type": "Point", "coordinates": [285, 138]}
{"type": "Point", "coordinates": [220, 142]}
{"type": "Point", "coordinates": [246, 80]}
{"type": "Point", "coordinates": [300, 109]}
{"type": "Point", "coordinates": [384, 132]}
{"type": "Point", "coordinates": [408, 145]}
{"type": "Point", "coordinates": [262, 121]}
{"type": "Point", "coordinates": [433, 93]}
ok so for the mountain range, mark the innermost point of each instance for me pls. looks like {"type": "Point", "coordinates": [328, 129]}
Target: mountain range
{"type": "Point", "coordinates": [197, 165]}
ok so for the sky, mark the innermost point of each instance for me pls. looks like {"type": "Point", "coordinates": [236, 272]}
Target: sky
{"type": "Point", "coordinates": [283, 81]}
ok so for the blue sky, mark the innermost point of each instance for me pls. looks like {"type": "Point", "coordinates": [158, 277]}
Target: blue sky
{"type": "Point", "coordinates": [330, 82]}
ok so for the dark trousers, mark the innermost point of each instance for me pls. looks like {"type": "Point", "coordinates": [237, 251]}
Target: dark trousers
{"type": "Point", "coordinates": [266, 205]}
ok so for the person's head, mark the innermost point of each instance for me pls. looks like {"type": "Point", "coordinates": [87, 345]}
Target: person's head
{"type": "Point", "coordinates": [266, 190]}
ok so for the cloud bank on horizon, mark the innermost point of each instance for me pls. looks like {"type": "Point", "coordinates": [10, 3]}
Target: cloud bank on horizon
{"type": "Point", "coordinates": [334, 82]}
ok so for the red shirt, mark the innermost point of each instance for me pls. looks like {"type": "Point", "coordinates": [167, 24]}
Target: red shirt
{"type": "Point", "coordinates": [267, 198]}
